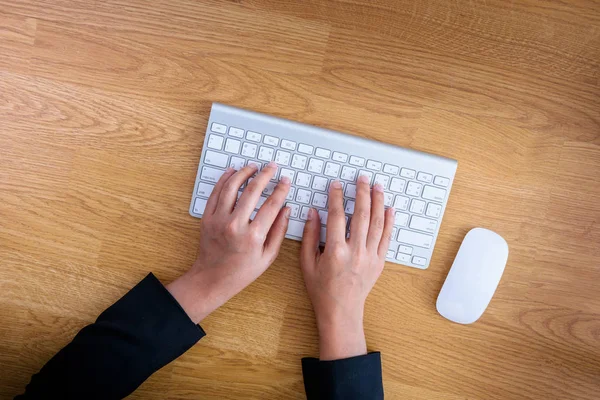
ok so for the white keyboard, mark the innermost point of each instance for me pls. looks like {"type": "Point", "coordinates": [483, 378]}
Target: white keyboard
{"type": "Point", "coordinates": [416, 184]}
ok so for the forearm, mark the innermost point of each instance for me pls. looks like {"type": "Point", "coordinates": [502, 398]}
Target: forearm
{"type": "Point", "coordinates": [109, 359]}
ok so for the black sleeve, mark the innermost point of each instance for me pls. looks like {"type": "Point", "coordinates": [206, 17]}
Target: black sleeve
{"type": "Point", "coordinates": [139, 334]}
{"type": "Point", "coordinates": [348, 379]}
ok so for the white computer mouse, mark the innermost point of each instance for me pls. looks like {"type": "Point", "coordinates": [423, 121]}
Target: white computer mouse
{"type": "Point", "coordinates": [473, 277]}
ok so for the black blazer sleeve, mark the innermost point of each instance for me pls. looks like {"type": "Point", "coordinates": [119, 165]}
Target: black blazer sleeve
{"type": "Point", "coordinates": [348, 379]}
{"type": "Point", "coordinates": [139, 334]}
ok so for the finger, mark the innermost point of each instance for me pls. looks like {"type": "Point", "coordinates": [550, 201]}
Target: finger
{"type": "Point", "coordinates": [336, 218]}
{"type": "Point", "coordinates": [271, 208]}
{"type": "Point", "coordinates": [213, 199]}
{"type": "Point", "coordinates": [310, 241]}
{"type": "Point", "coordinates": [277, 233]}
{"type": "Point", "coordinates": [386, 236]}
{"type": "Point", "coordinates": [249, 199]}
{"type": "Point", "coordinates": [230, 189]}
{"type": "Point", "coordinates": [377, 217]}
{"type": "Point", "coordinates": [362, 212]}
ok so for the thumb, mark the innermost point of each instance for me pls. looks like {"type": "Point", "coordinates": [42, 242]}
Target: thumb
{"type": "Point", "coordinates": [310, 240]}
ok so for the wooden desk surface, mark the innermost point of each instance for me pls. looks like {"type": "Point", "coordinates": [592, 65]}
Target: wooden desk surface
{"type": "Point", "coordinates": [103, 108]}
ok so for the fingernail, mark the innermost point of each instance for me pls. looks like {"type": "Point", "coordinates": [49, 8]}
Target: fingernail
{"type": "Point", "coordinates": [392, 210]}
{"type": "Point", "coordinates": [271, 165]}
{"type": "Point", "coordinates": [336, 185]}
{"type": "Point", "coordinates": [378, 187]}
{"type": "Point", "coordinates": [253, 166]}
{"type": "Point", "coordinates": [285, 180]}
{"type": "Point", "coordinates": [229, 169]}
{"type": "Point", "coordinates": [363, 179]}
{"type": "Point", "coordinates": [311, 214]}
{"type": "Point", "coordinates": [287, 212]}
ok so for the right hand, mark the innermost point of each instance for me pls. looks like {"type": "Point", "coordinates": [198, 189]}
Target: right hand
{"type": "Point", "coordinates": [339, 279]}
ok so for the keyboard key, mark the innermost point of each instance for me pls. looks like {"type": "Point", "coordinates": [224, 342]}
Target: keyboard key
{"type": "Point", "coordinates": [219, 128]}
{"type": "Point", "coordinates": [249, 150]}
{"type": "Point", "coordinates": [358, 161]}
{"type": "Point", "coordinates": [397, 185]}
{"type": "Point", "coordinates": [405, 258]}
{"type": "Point", "coordinates": [232, 146]}
{"type": "Point", "coordinates": [315, 165]}
{"type": "Point", "coordinates": [324, 153]}
{"type": "Point", "coordinates": [419, 260]}
{"type": "Point", "coordinates": [258, 165]}
{"type": "Point", "coordinates": [348, 173]}
{"type": "Point", "coordinates": [350, 191]}
{"type": "Point", "coordinates": [216, 159]}
{"type": "Point", "coordinates": [368, 174]}
{"type": "Point", "coordinates": [390, 254]}
{"type": "Point", "coordinates": [417, 206]}
{"type": "Point", "coordinates": [323, 235]}
{"type": "Point", "coordinates": [268, 190]}
{"type": "Point", "coordinates": [282, 157]}
{"type": "Point", "coordinates": [265, 153]}
{"type": "Point", "coordinates": [253, 215]}
{"type": "Point", "coordinates": [271, 140]}
{"type": "Point", "coordinates": [287, 172]}
{"type": "Point", "coordinates": [211, 174]}
{"type": "Point", "coordinates": [253, 136]}
{"type": "Point", "coordinates": [433, 193]}
{"type": "Point", "coordinates": [304, 213]}
{"type": "Point", "coordinates": [299, 161]}
{"type": "Point", "coordinates": [433, 210]}
{"type": "Point", "coordinates": [200, 205]}
{"type": "Point", "coordinates": [319, 200]}
{"type": "Point", "coordinates": [441, 181]}
{"type": "Point", "coordinates": [332, 169]}
{"type": "Point", "coordinates": [349, 207]}
{"type": "Point", "coordinates": [400, 219]}
{"type": "Point", "coordinates": [215, 142]}
{"type": "Point", "coordinates": [408, 173]}
{"type": "Point", "coordinates": [340, 157]}
{"type": "Point", "coordinates": [304, 148]}
{"type": "Point", "coordinates": [261, 201]}
{"type": "Point", "coordinates": [423, 224]}
{"type": "Point", "coordinates": [237, 163]}
{"type": "Point", "coordinates": [323, 216]}
{"type": "Point", "coordinates": [291, 194]}
{"type": "Point", "coordinates": [391, 169]}
{"type": "Point", "coordinates": [414, 238]}
{"type": "Point", "coordinates": [288, 144]}
{"type": "Point", "coordinates": [236, 132]}
{"type": "Point", "coordinates": [388, 199]}
{"type": "Point", "coordinates": [374, 165]}
{"type": "Point", "coordinates": [303, 179]}
{"type": "Point", "coordinates": [423, 177]}
{"type": "Point", "coordinates": [295, 228]}
{"type": "Point", "coordinates": [401, 203]}
{"type": "Point", "coordinates": [319, 183]}
{"type": "Point", "coordinates": [294, 210]}
{"type": "Point", "coordinates": [382, 180]}
{"type": "Point", "coordinates": [303, 196]}
{"type": "Point", "coordinates": [413, 189]}
{"type": "Point", "coordinates": [405, 249]}
{"type": "Point", "coordinates": [204, 189]}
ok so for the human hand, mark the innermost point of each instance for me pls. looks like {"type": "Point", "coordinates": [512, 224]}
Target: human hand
{"type": "Point", "coordinates": [234, 251]}
{"type": "Point", "coordinates": [339, 279]}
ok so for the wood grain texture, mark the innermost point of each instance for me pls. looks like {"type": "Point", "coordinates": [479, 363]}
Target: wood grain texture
{"type": "Point", "coordinates": [103, 107]}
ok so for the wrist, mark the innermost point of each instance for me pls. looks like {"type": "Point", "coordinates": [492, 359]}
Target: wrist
{"type": "Point", "coordinates": [341, 337]}
{"type": "Point", "coordinates": [195, 295]}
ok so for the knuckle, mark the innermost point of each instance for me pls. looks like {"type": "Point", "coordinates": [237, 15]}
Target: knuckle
{"type": "Point", "coordinates": [336, 212]}
{"type": "Point", "coordinates": [363, 215]}
{"type": "Point", "coordinates": [251, 188]}
{"type": "Point", "coordinates": [231, 228]}
{"type": "Point", "coordinates": [256, 237]}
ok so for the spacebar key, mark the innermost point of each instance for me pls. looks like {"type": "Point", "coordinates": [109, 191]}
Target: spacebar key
{"type": "Point", "coordinates": [295, 228]}
{"type": "Point", "coordinates": [414, 238]}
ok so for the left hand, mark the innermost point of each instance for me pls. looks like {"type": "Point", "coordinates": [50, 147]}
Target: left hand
{"type": "Point", "coordinates": [234, 250]}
